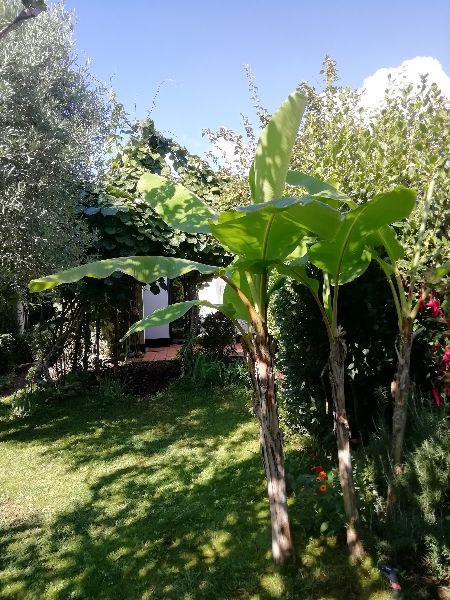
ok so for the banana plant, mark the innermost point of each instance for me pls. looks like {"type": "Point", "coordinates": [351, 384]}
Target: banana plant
{"type": "Point", "coordinates": [261, 236]}
{"type": "Point", "coordinates": [402, 283]}
{"type": "Point", "coordinates": [341, 260]}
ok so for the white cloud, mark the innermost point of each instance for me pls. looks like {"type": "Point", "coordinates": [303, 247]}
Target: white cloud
{"type": "Point", "coordinates": [374, 86]}
{"type": "Point", "coordinates": [224, 151]}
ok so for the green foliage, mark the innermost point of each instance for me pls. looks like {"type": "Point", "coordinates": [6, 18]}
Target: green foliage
{"type": "Point", "coordinates": [403, 142]}
{"type": "Point", "coordinates": [302, 357]}
{"type": "Point", "coordinates": [15, 349]}
{"type": "Point", "coordinates": [272, 230]}
{"type": "Point", "coordinates": [315, 484]}
{"type": "Point", "coordinates": [54, 120]}
{"type": "Point", "coordinates": [217, 335]}
{"type": "Point", "coordinates": [6, 352]}
{"type": "Point", "coordinates": [419, 528]}
{"type": "Point", "coordinates": [126, 222]}
{"type": "Point", "coordinates": [145, 269]}
{"type": "Point", "coordinates": [206, 358]}
{"type": "Point", "coordinates": [348, 254]}
{"type": "Point", "coordinates": [367, 314]}
{"type": "Point", "coordinates": [180, 207]}
{"type": "Point", "coordinates": [267, 178]}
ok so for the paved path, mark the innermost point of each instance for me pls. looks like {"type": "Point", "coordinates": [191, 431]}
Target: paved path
{"type": "Point", "coordinates": [170, 352]}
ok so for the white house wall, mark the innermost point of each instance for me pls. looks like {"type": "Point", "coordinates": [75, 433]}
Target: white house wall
{"type": "Point", "coordinates": [212, 292]}
{"type": "Point", "coordinates": [151, 302]}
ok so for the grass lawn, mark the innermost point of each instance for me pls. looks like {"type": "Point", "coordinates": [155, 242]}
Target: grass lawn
{"type": "Point", "coordinates": [156, 498]}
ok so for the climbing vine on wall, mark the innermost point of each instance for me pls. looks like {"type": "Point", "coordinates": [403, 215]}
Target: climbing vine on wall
{"type": "Point", "coordinates": [126, 225]}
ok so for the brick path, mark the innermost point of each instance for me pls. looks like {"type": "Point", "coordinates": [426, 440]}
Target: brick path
{"type": "Point", "coordinates": [170, 352]}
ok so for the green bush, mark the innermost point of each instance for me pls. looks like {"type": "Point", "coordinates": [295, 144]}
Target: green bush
{"type": "Point", "coordinates": [6, 352]}
{"type": "Point", "coordinates": [217, 335]}
{"type": "Point", "coordinates": [417, 533]}
{"type": "Point", "coordinates": [314, 481]}
{"type": "Point", "coordinates": [368, 317]}
{"type": "Point", "coordinates": [15, 349]}
{"type": "Point", "coordinates": [206, 358]}
{"type": "Point", "coordinates": [81, 388]}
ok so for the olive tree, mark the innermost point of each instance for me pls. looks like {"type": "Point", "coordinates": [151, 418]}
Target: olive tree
{"type": "Point", "coordinates": [54, 123]}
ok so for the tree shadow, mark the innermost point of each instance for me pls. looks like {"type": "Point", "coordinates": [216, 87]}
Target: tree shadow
{"type": "Point", "coordinates": [185, 516]}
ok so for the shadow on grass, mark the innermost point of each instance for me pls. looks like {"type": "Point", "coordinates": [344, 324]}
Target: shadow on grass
{"type": "Point", "coordinates": [178, 512]}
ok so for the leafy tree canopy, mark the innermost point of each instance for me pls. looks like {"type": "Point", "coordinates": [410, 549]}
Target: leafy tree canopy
{"type": "Point", "coordinates": [126, 223]}
{"type": "Point", "coordinates": [54, 122]}
{"type": "Point", "coordinates": [405, 141]}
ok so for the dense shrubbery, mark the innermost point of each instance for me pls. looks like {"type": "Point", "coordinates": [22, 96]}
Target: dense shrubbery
{"type": "Point", "coordinates": [217, 335]}
{"type": "Point", "coordinates": [368, 316]}
{"type": "Point", "coordinates": [15, 349]}
{"type": "Point", "coordinates": [419, 523]}
{"type": "Point", "coordinates": [206, 358]}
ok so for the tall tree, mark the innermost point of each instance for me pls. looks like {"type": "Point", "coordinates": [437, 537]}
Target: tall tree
{"type": "Point", "coordinates": [54, 123]}
{"type": "Point", "coordinates": [404, 141]}
{"type": "Point", "coordinates": [31, 9]}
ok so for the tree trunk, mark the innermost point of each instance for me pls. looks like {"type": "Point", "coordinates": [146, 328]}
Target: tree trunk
{"type": "Point", "coordinates": [400, 392]}
{"type": "Point", "coordinates": [73, 324]}
{"type": "Point", "coordinates": [116, 341]}
{"type": "Point", "coordinates": [87, 340]}
{"type": "Point", "coordinates": [97, 346]}
{"type": "Point", "coordinates": [20, 317]}
{"type": "Point", "coordinates": [338, 352]}
{"type": "Point", "coordinates": [271, 447]}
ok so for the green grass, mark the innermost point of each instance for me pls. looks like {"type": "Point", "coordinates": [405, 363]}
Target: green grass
{"type": "Point", "coordinates": [162, 498]}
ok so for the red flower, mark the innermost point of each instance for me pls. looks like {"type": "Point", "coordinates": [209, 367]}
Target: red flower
{"type": "Point", "coordinates": [435, 306]}
{"type": "Point", "coordinates": [446, 357]}
{"type": "Point", "coordinates": [322, 475]}
{"type": "Point", "coordinates": [437, 398]}
{"type": "Point", "coordinates": [422, 303]}
{"type": "Point", "coordinates": [317, 469]}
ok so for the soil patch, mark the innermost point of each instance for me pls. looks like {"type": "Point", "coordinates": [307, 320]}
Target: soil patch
{"type": "Point", "coordinates": [148, 378]}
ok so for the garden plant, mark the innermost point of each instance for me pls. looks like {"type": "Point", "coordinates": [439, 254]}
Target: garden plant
{"type": "Point", "coordinates": [271, 234]}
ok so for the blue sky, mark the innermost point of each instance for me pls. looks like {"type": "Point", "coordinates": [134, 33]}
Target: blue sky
{"type": "Point", "coordinates": [200, 47]}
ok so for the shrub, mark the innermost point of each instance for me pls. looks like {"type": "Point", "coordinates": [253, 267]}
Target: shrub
{"type": "Point", "coordinates": [15, 349]}
{"type": "Point", "coordinates": [417, 533]}
{"type": "Point", "coordinates": [217, 335]}
{"type": "Point", "coordinates": [314, 481]}
{"type": "Point", "coordinates": [368, 316]}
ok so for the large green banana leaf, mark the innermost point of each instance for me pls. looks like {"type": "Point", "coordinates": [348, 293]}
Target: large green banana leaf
{"type": "Point", "coordinates": [272, 230]}
{"type": "Point", "coordinates": [240, 280]}
{"type": "Point", "coordinates": [146, 269]}
{"type": "Point", "coordinates": [348, 254]}
{"type": "Point", "coordinates": [268, 172]}
{"type": "Point", "coordinates": [318, 188]}
{"type": "Point", "coordinates": [176, 205]}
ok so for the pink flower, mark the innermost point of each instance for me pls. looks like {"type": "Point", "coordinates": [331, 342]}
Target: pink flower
{"type": "Point", "coordinates": [446, 357]}
{"type": "Point", "coordinates": [435, 306]}
{"type": "Point", "coordinates": [437, 398]}
{"type": "Point", "coordinates": [422, 303]}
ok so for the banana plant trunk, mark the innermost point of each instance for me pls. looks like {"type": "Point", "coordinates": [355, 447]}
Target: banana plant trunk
{"type": "Point", "coordinates": [338, 352]}
{"type": "Point", "coordinates": [400, 391]}
{"type": "Point", "coordinates": [271, 445]}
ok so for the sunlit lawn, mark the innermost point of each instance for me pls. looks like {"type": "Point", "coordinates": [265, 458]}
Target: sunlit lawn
{"type": "Point", "coordinates": [161, 498]}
